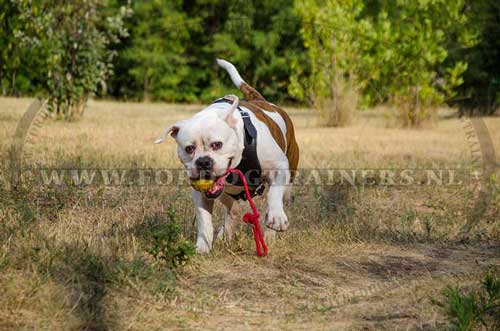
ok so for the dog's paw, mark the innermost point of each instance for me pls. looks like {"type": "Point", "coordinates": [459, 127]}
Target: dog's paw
{"type": "Point", "coordinates": [220, 233]}
{"type": "Point", "coordinates": [225, 232]}
{"type": "Point", "coordinates": [269, 235]}
{"type": "Point", "coordinates": [202, 247]}
{"type": "Point", "coordinates": [277, 220]}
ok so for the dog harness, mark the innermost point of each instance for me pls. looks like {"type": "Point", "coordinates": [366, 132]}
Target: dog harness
{"type": "Point", "coordinates": [249, 164]}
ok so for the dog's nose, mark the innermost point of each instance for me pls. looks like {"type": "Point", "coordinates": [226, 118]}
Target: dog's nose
{"type": "Point", "coordinates": [204, 163]}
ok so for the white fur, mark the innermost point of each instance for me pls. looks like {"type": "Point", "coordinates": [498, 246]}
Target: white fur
{"type": "Point", "coordinates": [221, 121]}
{"type": "Point", "coordinates": [204, 208]}
{"type": "Point", "coordinates": [231, 70]}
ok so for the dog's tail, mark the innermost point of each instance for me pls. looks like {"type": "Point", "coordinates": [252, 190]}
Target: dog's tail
{"type": "Point", "coordinates": [249, 92]}
{"type": "Point", "coordinates": [231, 70]}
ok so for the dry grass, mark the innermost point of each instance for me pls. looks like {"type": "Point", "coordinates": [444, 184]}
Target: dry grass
{"type": "Point", "coordinates": [356, 258]}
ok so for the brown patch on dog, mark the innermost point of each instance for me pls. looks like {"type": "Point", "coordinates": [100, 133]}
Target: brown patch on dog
{"type": "Point", "coordinates": [272, 125]}
{"type": "Point", "coordinates": [250, 93]}
{"type": "Point", "coordinates": [257, 104]}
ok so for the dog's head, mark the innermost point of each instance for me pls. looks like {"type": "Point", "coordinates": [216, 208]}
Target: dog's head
{"type": "Point", "coordinates": [209, 143]}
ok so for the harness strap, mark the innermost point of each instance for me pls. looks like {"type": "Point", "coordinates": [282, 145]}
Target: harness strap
{"type": "Point", "coordinates": [250, 130]}
{"type": "Point", "coordinates": [249, 164]}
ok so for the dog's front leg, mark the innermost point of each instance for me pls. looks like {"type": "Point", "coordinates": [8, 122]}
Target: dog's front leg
{"type": "Point", "coordinates": [204, 208]}
{"type": "Point", "coordinates": [276, 218]}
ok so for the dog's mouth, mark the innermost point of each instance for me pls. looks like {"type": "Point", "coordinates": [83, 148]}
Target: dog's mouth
{"type": "Point", "coordinates": [206, 183]}
{"type": "Point", "coordinates": [217, 188]}
{"type": "Point", "coordinates": [212, 188]}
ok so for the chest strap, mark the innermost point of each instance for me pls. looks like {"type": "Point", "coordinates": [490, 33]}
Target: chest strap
{"type": "Point", "coordinates": [249, 164]}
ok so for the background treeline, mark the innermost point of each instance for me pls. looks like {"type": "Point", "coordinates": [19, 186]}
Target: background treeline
{"type": "Point", "coordinates": [334, 55]}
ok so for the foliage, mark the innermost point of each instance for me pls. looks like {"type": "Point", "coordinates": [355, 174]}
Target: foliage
{"type": "Point", "coordinates": [336, 55]}
{"type": "Point", "coordinates": [481, 88]}
{"type": "Point", "coordinates": [73, 38]}
{"type": "Point", "coordinates": [473, 310]}
{"type": "Point", "coordinates": [21, 66]}
{"type": "Point", "coordinates": [80, 60]}
{"type": "Point", "coordinates": [406, 53]}
{"type": "Point", "coordinates": [167, 245]}
{"type": "Point", "coordinates": [170, 54]}
{"type": "Point", "coordinates": [330, 30]}
{"type": "Point", "coordinates": [269, 34]}
{"type": "Point", "coordinates": [389, 52]}
{"type": "Point", "coordinates": [152, 63]}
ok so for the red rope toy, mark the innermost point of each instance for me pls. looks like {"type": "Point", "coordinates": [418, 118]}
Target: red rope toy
{"type": "Point", "coordinates": [252, 218]}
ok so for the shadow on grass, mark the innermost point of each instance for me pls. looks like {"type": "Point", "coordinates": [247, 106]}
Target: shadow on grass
{"type": "Point", "coordinates": [87, 276]}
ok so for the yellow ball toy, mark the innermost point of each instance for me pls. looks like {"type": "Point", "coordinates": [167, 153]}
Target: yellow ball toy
{"type": "Point", "coordinates": [202, 185]}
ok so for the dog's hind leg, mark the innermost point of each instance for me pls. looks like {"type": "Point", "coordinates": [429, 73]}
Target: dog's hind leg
{"type": "Point", "coordinates": [227, 230]}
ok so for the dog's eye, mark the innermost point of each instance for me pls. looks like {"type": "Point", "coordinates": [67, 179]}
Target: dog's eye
{"type": "Point", "coordinates": [216, 145]}
{"type": "Point", "coordinates": [189, 149]}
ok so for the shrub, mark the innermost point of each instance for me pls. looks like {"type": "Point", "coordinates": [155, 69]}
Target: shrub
{"type": "Point", "coordinates": [80, 60]}
{"type": "Point", "coordinates": [168, 245]}
{"type": "Point", "coordinates": [408, 112]}
{"type": "Point", "coordinates": [475, 310]}
{"type": "Point", "coordinates": [73, 38]}
{"type": "Point", "coordinates": [330, 35]}
{"type": "Point", "coordinates": [338, 109]}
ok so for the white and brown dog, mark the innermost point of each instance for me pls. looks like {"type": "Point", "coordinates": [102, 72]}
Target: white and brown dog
{"type": "Point", "coordinates": [254, 136]}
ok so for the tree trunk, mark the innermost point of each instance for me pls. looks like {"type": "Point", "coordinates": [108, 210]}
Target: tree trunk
{"type": "Point", "coordinates": [13, 83]}
{"type": "Point", "coordinates": [335, 83]}
{"type": "Point", "coordinates": [416, 113]}
{"type": "Point", "coordinates": [79, 108]}
{"type": "Point", "coordinates": [146, 89]}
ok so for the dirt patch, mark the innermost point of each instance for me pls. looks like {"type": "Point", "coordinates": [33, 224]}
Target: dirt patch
{"type": "Point", "coordinates": [387, 267]}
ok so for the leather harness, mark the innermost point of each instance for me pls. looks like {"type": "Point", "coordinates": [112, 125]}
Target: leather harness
{"type": "Point", "coordinates": [249, 164]}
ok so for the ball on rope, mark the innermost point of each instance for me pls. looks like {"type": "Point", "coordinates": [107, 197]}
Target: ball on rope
{"type": "Point", "coordinates": [202, 185]}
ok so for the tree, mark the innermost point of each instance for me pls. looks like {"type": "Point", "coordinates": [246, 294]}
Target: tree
{"type": "Point", "coordinates": [61, 48]}
{"type": "Point", "coordinates": [331, 32]}
{"type": "Point", "coordinates": [172, 48]}
{"type": "Point", "coordinates": [480, 92]}
{"type": "Point", "coordinates": [267, 34]}
{"type": "Point", "coordinates": [405, 58]}
{"type": "Point", "coordinates": [22, 67]}
{"type": "Point", "coordinates": [336, 54]}
{"type": "Point", "coordinates": [153, 61]}
{"type": "Point", "coordinates": [79, 34]}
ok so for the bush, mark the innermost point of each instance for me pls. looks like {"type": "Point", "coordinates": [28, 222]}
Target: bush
{"type": "Point", "coordinates": [79, 34]}
{"type": "Point", "coordinates": [168, 245]}
{"type": "Point", "coordinates": [479, 310]}
{"type": "Point", "coordinates": [66, 44]}
{"type": "Point", "coordinates": [330, 35]}
{"type": "Point", "coordinates": [338, 109]}
{"type": "Point", "coordinates": [409, 114]}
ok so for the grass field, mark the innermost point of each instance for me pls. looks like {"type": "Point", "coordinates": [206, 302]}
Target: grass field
{"type": "Point", "coordinates": [369, 257]}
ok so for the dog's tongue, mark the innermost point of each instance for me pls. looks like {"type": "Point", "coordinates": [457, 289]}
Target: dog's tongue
{"type": "Point", "coordinates": [218, 185]}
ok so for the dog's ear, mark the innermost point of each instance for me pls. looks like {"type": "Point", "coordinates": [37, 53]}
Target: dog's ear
{"type": "Point", "coordinates": [173, 130]}
{"type": "Point", "coordinates": [232, 115]}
